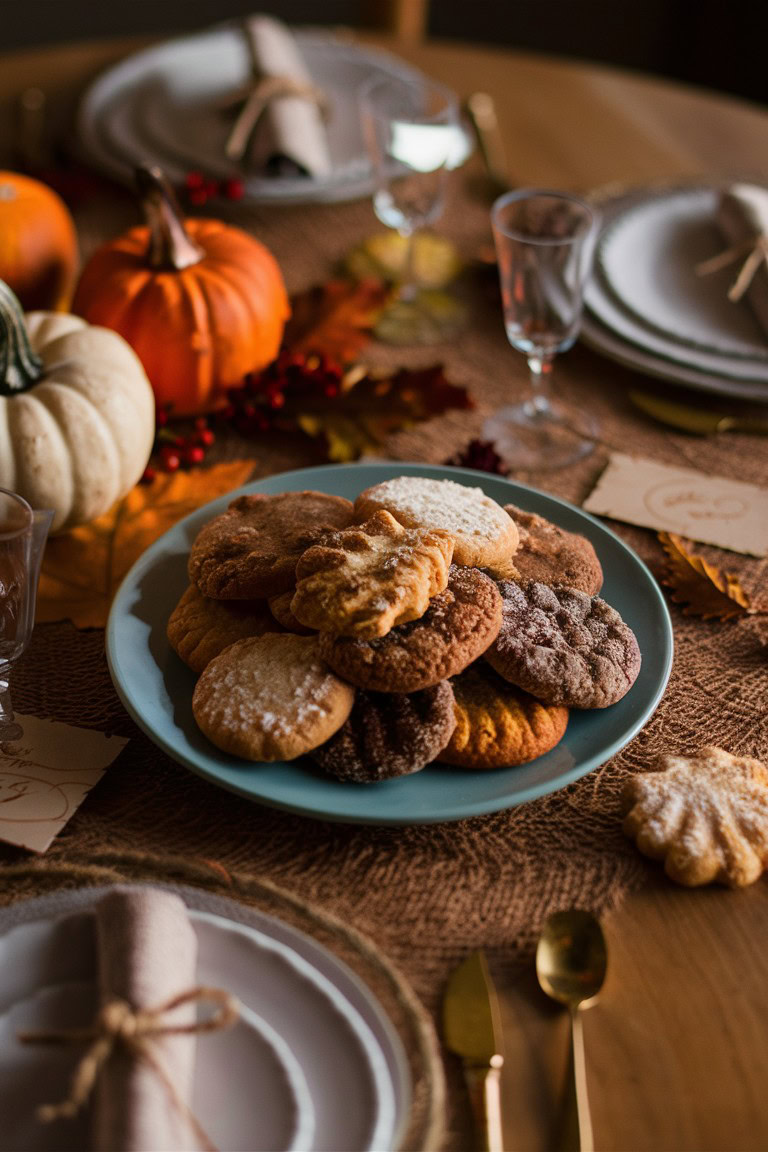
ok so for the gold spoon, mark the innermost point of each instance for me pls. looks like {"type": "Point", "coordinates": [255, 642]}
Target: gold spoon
{"type": "Point", "coordinates": [571, 962]}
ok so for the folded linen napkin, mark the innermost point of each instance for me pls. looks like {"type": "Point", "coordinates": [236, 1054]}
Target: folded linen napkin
{"type": "Point", "coordinates": [291, 128]}
{"type": "Point", "coordinates": [742, 217]}
{"type": "Point", "coordinates": [147, 953]}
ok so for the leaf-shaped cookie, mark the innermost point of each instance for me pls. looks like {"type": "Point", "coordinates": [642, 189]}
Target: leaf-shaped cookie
{"type": "Point", "coordinates": [705, 816]}
{"type": "Point", "coordinates": [703, 589]}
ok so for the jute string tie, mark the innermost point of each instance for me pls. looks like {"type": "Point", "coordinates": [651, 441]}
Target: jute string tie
{"type": "Point", "coordinates": [260, 96]}
{"type": "Point", "coordinates": [756, 252]}
{"type": "Point", "coordinates": [118, 1025]}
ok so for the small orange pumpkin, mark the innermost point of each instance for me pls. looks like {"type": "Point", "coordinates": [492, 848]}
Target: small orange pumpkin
{"type": "Point", "coordinates": [200, 302]}
{"type": "Point", "coordinates": [38, 243]}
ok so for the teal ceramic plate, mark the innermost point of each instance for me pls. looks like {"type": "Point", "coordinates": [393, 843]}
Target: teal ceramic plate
{"type": "Point", "coordinates": [156, 687]}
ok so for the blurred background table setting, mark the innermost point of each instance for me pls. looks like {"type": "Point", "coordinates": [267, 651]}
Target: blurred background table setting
{"type": "Point", "coordinates": [289, 256]}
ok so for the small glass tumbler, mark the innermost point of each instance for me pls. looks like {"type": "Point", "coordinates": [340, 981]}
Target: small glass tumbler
{"type": "Point", "coordinates": [544, 245]}
{"type": "Point", "coordinates": [22, 539]}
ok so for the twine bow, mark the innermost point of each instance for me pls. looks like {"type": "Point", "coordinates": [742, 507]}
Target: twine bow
{"type": "Point", "coordinates": [756, 251]}
{"type": "Point", "coordinates": [118, 1025]}
{"type": "Point", "coordinates": [259, 97]}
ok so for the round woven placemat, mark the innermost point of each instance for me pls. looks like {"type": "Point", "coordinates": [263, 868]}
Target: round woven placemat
{"type": "Point", "coordinates": [424, 1130]}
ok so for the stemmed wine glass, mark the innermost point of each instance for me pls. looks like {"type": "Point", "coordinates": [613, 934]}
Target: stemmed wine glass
{"type": "Point", "coordinates": [544, 245]}
{"type": "Point", "coordinates": [412, 134]}
{"type": "Point", "coordinates": [22, 539]}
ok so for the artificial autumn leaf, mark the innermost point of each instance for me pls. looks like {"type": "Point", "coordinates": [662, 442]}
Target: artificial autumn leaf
{"type": "Point", "coordinates": [369, 408]}
{"type": "Point", "coordinates": [335, 319]}
{"type": "Point", "coordinates": [82, 569]}
{"type": "Point", "coordinates": [703, 589]}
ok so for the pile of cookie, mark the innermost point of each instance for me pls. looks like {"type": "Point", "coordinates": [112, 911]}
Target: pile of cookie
{"type": "Point", "coordinates": [423, 622]}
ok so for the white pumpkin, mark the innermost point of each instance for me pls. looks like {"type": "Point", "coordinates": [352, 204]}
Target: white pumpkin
{"type": "Point", "coordinates": [77, 413]}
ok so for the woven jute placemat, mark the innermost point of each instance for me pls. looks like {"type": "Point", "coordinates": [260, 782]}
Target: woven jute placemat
{"type": "Point", "coordinates": [425, 1126]}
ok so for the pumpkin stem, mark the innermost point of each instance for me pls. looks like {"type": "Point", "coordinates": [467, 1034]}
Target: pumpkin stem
{"type": "Point", "coordinates": [170, 245]}
{"type": "Point", "coordinates": [20, 367]}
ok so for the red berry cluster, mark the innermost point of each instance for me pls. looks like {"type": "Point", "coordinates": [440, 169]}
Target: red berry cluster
{"type": "Point", "coordinates": [171, 451]}
{"type": "Point", "coordinates": [199, 189]}
{"type": "Point", "coordinates": [481, 455]}
{"type": "Point", "coordinates": [290, 379]}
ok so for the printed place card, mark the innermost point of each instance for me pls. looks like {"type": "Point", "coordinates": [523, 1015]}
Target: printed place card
{"type": "Point", "coordinates": [46, 775]}
{"type": "Point", "coordinates": [710, 509]}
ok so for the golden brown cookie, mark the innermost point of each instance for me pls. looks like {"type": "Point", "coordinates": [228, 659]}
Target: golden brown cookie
{"type": "Point", "coordinates": [498, 725]}
{"type": "Point", "coordinates": [250, 551]}
{"type": "Point", "coordinates": [484, 534]}
{"type": "Point", "coordinates": [364, 580]}
{"type": "Point", "coordinates": [551, 555]}
{"type": "Point", "coordinates": [456, 628]}
{"type": "Point", "coordinates": [705, 816]}
{"type": "Point", "coordinates": [200, 628]}
{"type": "Point", "coordinates": [280, 607]}
{"type": "Point", "coordinates": [270, 698]}
{"type": "Point", "coordinates": [389, 734]}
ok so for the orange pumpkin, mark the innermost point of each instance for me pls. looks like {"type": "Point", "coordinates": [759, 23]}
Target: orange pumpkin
{"type": "Point", "coordinates": [38, 243]}
{"type": "Point", "coordinates": [200, 302]}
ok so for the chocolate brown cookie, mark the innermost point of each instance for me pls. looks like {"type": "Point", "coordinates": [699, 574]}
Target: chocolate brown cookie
{"type": "Point", "coordinates": [551, 555]}
{"type": "Point", "coordinates": [389, 734]}
{"type": "Point", "coordinates": [456, 628]}
{"type": "Point", "coordinates": [250, 551]}
{"type": "Point", "coordinates": [563, 646]}
{"type": "Point", "coordinates": [497, 724]}
{"type": "Point", "coordinates": [270, 698]}
{"type": "Point", "coordinates": [200, 628]}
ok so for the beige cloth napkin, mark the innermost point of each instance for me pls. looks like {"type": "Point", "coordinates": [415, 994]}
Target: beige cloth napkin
{"type": "Point", "coordinates": [742, 215]}
{"type": "Point", "coordinates": [147, 953]}
{"type": "Point", "coordinates": [292, 127]}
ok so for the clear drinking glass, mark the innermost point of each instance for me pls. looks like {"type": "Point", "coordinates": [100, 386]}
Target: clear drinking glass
{"type": "Point", "coordinates": [544, 245]}
{"type": "Point", "coordinates": [22, 540]}
{"type": "Point", "coordinates": [412, 134]}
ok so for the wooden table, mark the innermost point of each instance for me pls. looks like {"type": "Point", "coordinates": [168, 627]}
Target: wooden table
{"type": "Point", "coordinates": [678, 1045]}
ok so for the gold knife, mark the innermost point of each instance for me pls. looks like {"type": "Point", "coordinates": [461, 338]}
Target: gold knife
{"type": "Point", "coordinates": [472, 1029]}
{"type": "Point", "coordinates": [700, 421]}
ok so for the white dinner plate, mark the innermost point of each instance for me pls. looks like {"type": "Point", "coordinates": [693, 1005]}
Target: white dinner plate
{"type": "Point", "coordinates": [161, 106]}
{"type": "Point", "coordinates": [305, 1068]}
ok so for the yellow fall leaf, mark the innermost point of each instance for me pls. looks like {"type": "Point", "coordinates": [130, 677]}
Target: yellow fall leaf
{"type": "Point", "coordinates": [83, 569]}
{"type": "Point", "coordinates": [701, 587]}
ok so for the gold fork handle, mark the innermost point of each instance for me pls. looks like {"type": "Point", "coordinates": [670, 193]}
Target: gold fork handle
{"type": "Point", "coordinates": [576, 1128]}
{"type": "Point", "coordinates": [484, 1084]}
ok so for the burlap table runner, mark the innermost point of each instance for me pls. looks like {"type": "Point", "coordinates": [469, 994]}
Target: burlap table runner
{"type": "Point", "coordinates": [425, 894]}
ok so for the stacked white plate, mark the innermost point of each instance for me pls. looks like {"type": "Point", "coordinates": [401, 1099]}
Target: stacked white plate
{"type": "Point", "coordinates": [166, 105]}
{"type": "Point", "coordinates": [312, 1064]}
{"type": "Point", "coordinates": [648, 309]}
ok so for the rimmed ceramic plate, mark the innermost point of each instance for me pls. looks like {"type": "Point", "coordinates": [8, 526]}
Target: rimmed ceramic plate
{"type": "Point", "coordinates": [288, 1084]}
{"type": "Point", "coordinates": [156, 687]}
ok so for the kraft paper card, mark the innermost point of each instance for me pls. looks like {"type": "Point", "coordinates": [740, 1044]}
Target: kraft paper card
{"type": "Point", "coordinates": [45, 776]}
{"type": "Point", "coordinates": [709, 509]}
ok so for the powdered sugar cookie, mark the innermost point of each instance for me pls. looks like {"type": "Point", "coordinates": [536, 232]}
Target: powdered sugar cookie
{"type": "Point", "coordinates": [563, 646]}
{"type": "Point", "coordinates": [200, 628]}
{"type": "Point", "coordinates": [250, 551]}
{"type": "Point", "coordinates": [364, 580]}
{"type": "Point", "coordinates": [484, 534]}
{"type": "Point", "coordinates": [705, 816]}
{"type": "Point", "coordinates": [456, 628]}
{"type": "Point", "coordinates": [389, 734]}
{"type": "Point", "coordinates": [270, 698]}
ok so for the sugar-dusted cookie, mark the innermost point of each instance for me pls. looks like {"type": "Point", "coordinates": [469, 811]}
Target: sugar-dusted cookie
{"type": "Point", "coordinates": [705, 816]}
{"type": "Point", "coordinates": [498, 725]}
{"type": "Point", "coordinates": [563, 646]}
{"type": "Point", "coordinates": [551, 555]}
{"type": "Point", "coordinates": [456, 628]}
{"type": "Point", "coordinates": [250, 551]}
{"type": "Point", "coordinates": [280, 607]}
{"type": "Point", "coordinates": [389, 734]}
{"type": "Point", "coordinates": [200, 628]}
{"type": "Point", "coordinates": [364, 580]}
{"type": "Point", "coordinates": [484, 534]}
{"type": "Point", "coordinates": [270, 698]}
